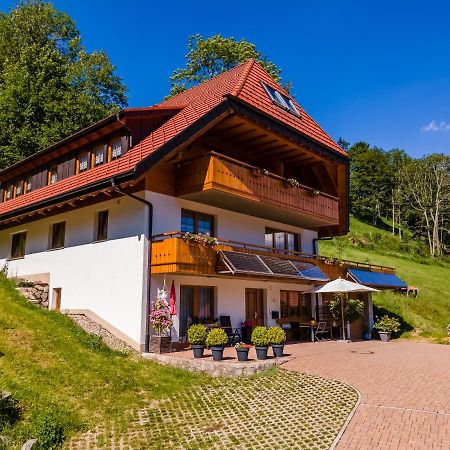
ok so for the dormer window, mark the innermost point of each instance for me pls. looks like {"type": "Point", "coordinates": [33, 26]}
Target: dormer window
{"type": "Point", "coordinates": [116, 148]}
{"type": "Point", "coordinates": [281, 100]}
{"type": "Point", "coordinates": [99, 156]}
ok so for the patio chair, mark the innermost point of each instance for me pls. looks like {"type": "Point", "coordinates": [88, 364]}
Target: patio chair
{"type": "Point", "coordinates": [296, 331]}
{"type": "Point", "coordinates": [322, 330]}
{"type": "Point", "coordinates": [234, 334]}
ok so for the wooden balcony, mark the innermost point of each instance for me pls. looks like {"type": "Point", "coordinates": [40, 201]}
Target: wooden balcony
{"type": "Point", "coordinates": [224, 182]}
{"type": "Point", "coordinates": [172, 254]}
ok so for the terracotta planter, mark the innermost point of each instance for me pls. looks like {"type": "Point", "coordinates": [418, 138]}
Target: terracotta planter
{"type": "Point", "coordinates": [385, 336]}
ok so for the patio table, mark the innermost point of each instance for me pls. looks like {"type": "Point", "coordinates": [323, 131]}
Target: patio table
{"type": "Point", "coordinates": [311, 326]}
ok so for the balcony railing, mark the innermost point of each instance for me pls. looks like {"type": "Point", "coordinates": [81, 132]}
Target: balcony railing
{"type": "Point", "coordinates": [171, 253]}
{"type": "Point", "coordinates": [236, 185]}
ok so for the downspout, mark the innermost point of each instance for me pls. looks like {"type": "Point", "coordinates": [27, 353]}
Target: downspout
{"type": "Point", "coordinates": [149, 276]}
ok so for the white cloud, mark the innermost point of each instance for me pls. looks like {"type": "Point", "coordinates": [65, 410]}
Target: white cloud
{"type": "Point", "coordinates": [435, 126]}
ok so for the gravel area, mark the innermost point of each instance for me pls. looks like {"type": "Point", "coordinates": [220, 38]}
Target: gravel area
{"type": "Point", "coordinates": [109, 339]}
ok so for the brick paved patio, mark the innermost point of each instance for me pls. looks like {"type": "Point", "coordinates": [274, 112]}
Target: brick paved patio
{"type": "Point", "coordinates": [405, 389]}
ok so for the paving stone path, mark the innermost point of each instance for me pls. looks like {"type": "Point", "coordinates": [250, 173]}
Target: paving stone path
{"type": "Point", "coordinates": [279, 410]}
{"type": "Point", "coordinates": [405, 390]}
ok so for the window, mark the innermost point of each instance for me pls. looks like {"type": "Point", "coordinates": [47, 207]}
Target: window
{"type": "Point", "coordinates": [28, 185]}
{"type": "Point", "coordinates": [196, 306]}
{"type": "Point", "coordinates": [281, 100]}
{"type": "Point", "coordinates": [198, 223]}
{"type": "Point", "coordinates": [283, 240]}
{"type": "Point", "coordinates": [53, 175]}
{"type": "Point", "coordinates": [9, 192]}
{"type": "Point", "coordinates": [99, 156]}
{"type": "Point", "coordinates": [293, 303]}
{"type": "Point", "coordinates": [101, 231]}
{"type": "Point", "coordinates": [19, 188]}
{"type": "Point", "coordinates": [116, 148]}
{"type": "Point", "coordinates": [18, 242]}
{"type": "Point", "coordinates": [58, 235]}
{"type": "Point", "coordinates": [83, 162]}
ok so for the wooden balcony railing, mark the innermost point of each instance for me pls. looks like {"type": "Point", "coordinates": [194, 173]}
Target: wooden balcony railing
{"type": "Point", "coordinates": [266, 191]}
{"type": "Point", "coordinates": [173, 254]}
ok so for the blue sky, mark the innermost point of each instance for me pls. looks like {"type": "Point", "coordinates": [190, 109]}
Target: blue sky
{"type": "Point", "coordinates": [377, 71]}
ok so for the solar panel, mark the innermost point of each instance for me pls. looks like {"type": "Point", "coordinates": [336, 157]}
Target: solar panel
{"type": "Point", "coordinates": [377, 278]}
{"type": "Point", "coordinates": [279, 266]}
{"type": "Point", "coordinates": [309, 271]}
{"type": "Point", "coordinates": [246, 262]}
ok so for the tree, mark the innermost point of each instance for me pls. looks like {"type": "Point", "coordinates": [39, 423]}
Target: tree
{"type": "Point", "coordinates": [345, 145]}
{"type": "Point", "coordinates": [207, 58]}
{"type": "Point", "coordinates": [427, 184]}
{"type": "Point", "coordinates": [50, 85]}
{"type": "Point", "coordinates": [368, 182]}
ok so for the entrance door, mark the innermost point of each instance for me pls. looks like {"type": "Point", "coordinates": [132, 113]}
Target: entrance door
{"type": "Point", "coordinates": [57, 299]}
{"type": "Point", "coordinates": [254, 306]}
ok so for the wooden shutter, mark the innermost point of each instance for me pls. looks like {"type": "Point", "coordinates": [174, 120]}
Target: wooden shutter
{"type": "Point", "coordinates": [43, 180]}
{"type": "Point", "coordinates": [124, 143]}
{"type": "Point", "coordinates": [105, 153]}
{"type": "Point", "coordinates": [60, 171]}
{"type": "Point", "coordinates": [71, 165]}
{"type": "Point", "coordinates": [2, 192]}
{"type": "Point", "coordinates": [34, 182]}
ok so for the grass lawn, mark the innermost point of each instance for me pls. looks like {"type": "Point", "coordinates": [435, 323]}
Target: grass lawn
{"type": "Point", "coordinates": [72, 389]}
{"type": "Point", "coordinates": [426, 316]}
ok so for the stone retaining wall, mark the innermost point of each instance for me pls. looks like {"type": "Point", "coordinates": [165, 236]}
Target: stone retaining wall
{"type": "Point", "coordinates": [36, 292]}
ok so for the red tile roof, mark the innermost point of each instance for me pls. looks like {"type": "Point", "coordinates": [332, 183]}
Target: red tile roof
{"type": "Point", "coordinates": [242, 82]}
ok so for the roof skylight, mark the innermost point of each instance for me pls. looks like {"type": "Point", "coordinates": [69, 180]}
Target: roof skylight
{"type": "Point", "coordinates": [281, 100]}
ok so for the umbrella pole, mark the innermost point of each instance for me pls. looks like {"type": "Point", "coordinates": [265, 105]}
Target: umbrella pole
{"type": "Point", "coordinates": [342, 315]}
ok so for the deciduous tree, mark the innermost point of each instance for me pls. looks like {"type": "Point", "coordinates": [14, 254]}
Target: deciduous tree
{"type": "Point", "coordinates": [50, 85]}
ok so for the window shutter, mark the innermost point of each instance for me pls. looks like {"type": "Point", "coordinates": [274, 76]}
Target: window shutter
{"type": "Point", "coordinates": [105, 153]}
{"type": "Point", "coordinates": [1, 195]}
{"type": "Point", "coordinates": [60, 171]}
{"type": "Point", "coordinates": [34, 182]}
{"type": "Point", "coordinates": [43, 178]}
{"type": "Point", "coordinates": [71, 164]}
{"type": "Point", "coordinates": [124, 142]}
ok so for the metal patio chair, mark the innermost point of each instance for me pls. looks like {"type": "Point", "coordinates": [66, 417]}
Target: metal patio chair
{"type": "Point", "coordinates": [321, 330]}
{"type": "Point", "coordinates": [234, 334]}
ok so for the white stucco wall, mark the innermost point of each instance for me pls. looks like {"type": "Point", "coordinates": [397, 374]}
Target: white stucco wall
{"type": "Point", "coordinates": [104, 277]}
{"type": "Point", "coordinates": [229, 295]}
{"type": "Point", "coordinates": [229, 224]}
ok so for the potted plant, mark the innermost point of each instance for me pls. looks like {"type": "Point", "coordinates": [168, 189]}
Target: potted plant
{"type": "Point", "coordinates": [242, 351]}
{"type": "Point", "coordinates": [387, 325]}
{"type": "Point", "coordinates": [197, 337]}
{"type": "Point", "coordinates": [260, 340]}
{"type": "Point", "coordinates": [216, 340]}
{"type": "Point", "coordinates": [277, 338]}
{"type": "Point", "coordinates": [161, 319]}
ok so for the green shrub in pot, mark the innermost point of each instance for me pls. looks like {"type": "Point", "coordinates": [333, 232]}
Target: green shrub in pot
{"type": "Point", "coordinates": [197, 337]}
{"type": "Point", "coordinates": [216, 339]}
{"type": "Point", "coordinates": [260, 340]}
{"type": "Point", "coordinates": [277, 338]}
{"type": "Point", "coordinates": [387, 325]}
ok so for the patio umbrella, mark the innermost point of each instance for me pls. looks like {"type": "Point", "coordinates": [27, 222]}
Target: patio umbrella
{"type": "Point", "coordinates": [341, 286]}
{"type": "Point", "coordinates": [173, 300]}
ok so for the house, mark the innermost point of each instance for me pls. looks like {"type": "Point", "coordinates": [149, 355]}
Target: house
{"type": "Point", "coordinates": [115, 211]}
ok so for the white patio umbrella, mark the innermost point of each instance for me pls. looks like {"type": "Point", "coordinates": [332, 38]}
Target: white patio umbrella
{"type": "Point", "coordinates": [341, 286]}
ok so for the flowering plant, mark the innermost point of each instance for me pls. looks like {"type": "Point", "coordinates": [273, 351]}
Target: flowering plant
{"type": "Point", "coordinates": [242, 345]}
{"type": "Point", "coordinates": [387, 324]}
{"type": "Point", "coordinates": [247, 323]}
{"type": "Point", "coordinates": [160, 316]}
{"type": "Point", "coordinates": [203, 239]}
{"type": "Point", "coordinates": [292, 182]}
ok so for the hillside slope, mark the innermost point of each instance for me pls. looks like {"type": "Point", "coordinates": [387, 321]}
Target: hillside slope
{"type": "Point", "coordinates": [65, 380]}
{"type": "Point", "coordinates": [426, 316]}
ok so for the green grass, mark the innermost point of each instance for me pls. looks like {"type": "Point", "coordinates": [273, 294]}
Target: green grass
{"type": "Point", "coordinates": [426, 316]}
{"type": "Point", "coordinates": [48, 363]}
